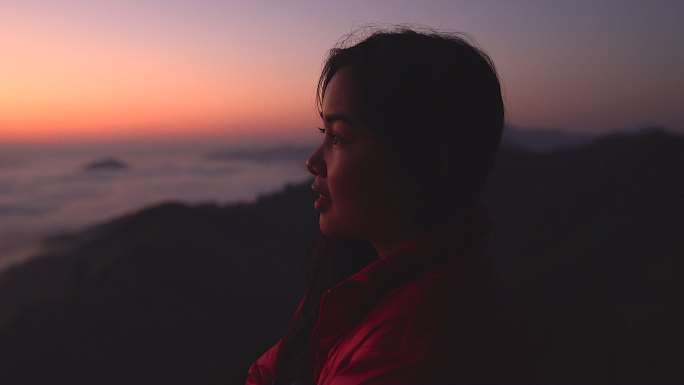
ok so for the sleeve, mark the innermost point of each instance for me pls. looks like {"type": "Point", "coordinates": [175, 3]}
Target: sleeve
{"type": "Point", "coordinates": [261, 372]}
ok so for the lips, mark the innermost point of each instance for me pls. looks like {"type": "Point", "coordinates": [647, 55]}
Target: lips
{"type": "Point", "coordinates": [323, 200]}
{"type": "Point", "coordinates": [320, 191]}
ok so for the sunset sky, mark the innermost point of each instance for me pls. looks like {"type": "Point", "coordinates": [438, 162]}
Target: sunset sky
{"type": "Point", "coordinates": [109, 70]}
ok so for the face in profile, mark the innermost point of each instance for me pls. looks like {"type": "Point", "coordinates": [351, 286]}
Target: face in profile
{"type": "Point", "coordinates": [363, 193]}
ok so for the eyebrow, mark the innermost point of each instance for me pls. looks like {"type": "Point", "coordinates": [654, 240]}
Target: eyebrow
{"type": "Point", "coordinates": [335, 118]}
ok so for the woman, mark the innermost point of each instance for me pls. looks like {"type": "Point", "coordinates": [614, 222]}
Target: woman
{"type": "Point", "coordinates": [402, 289]}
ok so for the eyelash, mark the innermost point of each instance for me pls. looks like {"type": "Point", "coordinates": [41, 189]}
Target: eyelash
{"type": "Point", "coordinates": [335, 139]}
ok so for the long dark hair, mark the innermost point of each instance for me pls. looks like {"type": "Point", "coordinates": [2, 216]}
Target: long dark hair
{"type": "Point", "coordinates": [328, 261]}
{"type": "Point", "coordinates": [435, 99]}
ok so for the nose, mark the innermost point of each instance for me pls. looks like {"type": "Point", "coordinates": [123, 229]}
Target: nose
{"type": "Point", "coordinates": [315, 164]}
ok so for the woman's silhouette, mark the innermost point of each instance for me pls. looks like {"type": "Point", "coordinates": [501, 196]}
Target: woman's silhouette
{"type": "Point", "coordinates": [401, 288]}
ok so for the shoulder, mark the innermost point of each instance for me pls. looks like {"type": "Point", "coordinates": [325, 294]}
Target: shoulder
{"type": "Point", "coordinates": [462, 322]}
{"type": "Point", "coordinates": [468, 285]}
{"type": "Point", "coordinates": [450, 324]}
{"type": "Point", "coordinates": [414, 317]}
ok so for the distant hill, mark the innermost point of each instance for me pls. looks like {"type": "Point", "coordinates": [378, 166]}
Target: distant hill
{"type": "Point", "coordinates": [589, 236]}
{"type": "Point", "coordinates": [593, 237]}
{"type": "Point", "coordinates": [541, 140]}
{"type": "Point", "coordinates": [266, 155]}
{"type": "Point", "coordinates": [548, 139]}
{"type": "Point", "coordinates": [106, 164]}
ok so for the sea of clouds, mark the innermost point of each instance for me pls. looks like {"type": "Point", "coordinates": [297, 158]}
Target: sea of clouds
{"type": "Point", "coordinates": [47, 191]}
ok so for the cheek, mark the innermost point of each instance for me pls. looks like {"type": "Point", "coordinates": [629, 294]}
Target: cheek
{"type": "Point", "coordinates": [354, 186]}
{"type": "Point", "coordinates": [355, 198]}
{"type": "Point", "coordinates": [370, 196]}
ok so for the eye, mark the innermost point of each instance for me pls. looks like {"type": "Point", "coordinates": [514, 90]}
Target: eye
{"type": "Point", "coordinates": [334, 138]}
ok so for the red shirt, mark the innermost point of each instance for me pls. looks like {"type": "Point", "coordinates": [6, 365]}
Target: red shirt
{"type": "Point", "coordinates": [436, 311]}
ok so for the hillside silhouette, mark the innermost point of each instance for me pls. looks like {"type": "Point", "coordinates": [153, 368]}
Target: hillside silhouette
{"type": "Point", "coordinates": [590, 238]}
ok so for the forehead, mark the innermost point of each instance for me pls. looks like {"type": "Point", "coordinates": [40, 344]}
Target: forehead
{"type": "Point", "coordinates": [339, 96]}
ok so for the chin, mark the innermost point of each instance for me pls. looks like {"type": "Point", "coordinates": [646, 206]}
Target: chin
{"type": "Point", "coordinates": [331, 229]}
{"type": "Point", "coordinates": [335, 229]}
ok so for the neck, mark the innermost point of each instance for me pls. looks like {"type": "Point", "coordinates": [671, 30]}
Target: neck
{"type": "Point", "coordinates": [389, 245]}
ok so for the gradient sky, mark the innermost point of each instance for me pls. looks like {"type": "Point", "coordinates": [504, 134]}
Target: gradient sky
{"type": "Point", "coordinates": [106, 70]}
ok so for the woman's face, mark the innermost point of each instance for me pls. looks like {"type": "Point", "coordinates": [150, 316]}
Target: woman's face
{"type": "Point", "coordinates": [363, 192]}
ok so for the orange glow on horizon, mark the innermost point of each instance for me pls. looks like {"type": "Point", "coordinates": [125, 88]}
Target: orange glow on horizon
{"type": "Point", "coordinates": [154, 69]}
{"type": "Point", "coordinates": [69, 88]}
